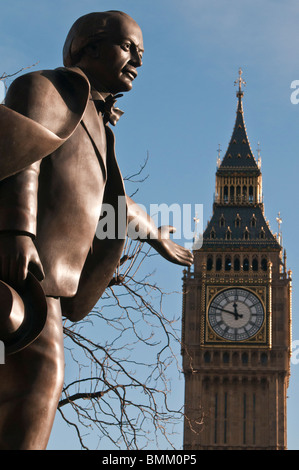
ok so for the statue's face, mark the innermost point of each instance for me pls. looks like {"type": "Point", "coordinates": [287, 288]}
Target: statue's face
{"type": "Point", "coordinates": [118, 57]}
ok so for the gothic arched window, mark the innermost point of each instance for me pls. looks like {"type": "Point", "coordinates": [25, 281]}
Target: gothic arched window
{"type": "Point", "coordinates": [218, 264]}
{"type": "Point", "coordinates": [264, 358]}
{"type": "Point", "coordinates": [238, 221]}
{"type": "Point", "coordinates": [237, 263]}
{"type": "Point", "coordinates": [255, 264]}
{"type": "Point", "coordinates": [228, 235]}
{"type": "Point", "coordinates": [225, 357]}
{"type": "Point", "coordinates": [207, 357]}
{"type": "Point", "coordinates": [209, 263]}
{"type": "Point", "coordinates": [253, 221]}
{"type": "Point", "coordinates": [225, 193]}
{"type": "Point", "coordinates": [246, 234]}
{"type": "Point", "coordinates": [264, 264]}
{"type": "Point", "coordinates": [228, 263]}
{"type": "Point", "coordinates": [244, 358]}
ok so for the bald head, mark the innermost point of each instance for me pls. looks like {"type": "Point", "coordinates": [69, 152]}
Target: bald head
{"type": "Point", "coordinates": [91, 28]}
{"type": "Point", "coordinates": [108, 47]}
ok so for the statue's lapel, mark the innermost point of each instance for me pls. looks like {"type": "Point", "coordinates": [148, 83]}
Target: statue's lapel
{"type": "Point", "coordinates": [94, 125]}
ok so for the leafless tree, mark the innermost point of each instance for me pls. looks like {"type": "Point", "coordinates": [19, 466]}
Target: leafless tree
{"type": "Point", "coordinates": [126, 353]}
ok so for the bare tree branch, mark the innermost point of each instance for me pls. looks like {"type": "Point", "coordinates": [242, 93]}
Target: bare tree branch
{"type": "Point", "coordinates": [121, 389]}
{"type": "Point", "coordinates": [134, 178]}
{"type": "Point", "coordinates": [5, 75]}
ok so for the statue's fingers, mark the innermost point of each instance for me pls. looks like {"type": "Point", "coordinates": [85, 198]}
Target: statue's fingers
{"type": "Point", "coordinates": [13, 270]}
{"type": "Point", "coordinates": [36, 268]}
{"type": "Point", "coordinates": [22, 268]}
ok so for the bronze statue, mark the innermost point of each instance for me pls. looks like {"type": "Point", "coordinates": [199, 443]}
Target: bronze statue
{"type": "Point", "coordinates": [57, 167]}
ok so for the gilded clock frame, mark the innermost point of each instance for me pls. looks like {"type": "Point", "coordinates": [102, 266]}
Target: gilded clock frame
{"type": "Point", "coordinates": [261, 339]}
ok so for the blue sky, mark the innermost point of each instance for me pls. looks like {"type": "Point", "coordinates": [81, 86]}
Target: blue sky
{"type": "Point", "coordinates": [183, 105]}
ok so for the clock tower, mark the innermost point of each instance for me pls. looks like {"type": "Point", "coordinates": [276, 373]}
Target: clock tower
{"type": "Point", "coordinates": [236, 333]}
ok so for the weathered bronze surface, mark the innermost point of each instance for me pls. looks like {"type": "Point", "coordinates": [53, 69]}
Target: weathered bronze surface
{"type": "Point", "coordinates": [57, 167]}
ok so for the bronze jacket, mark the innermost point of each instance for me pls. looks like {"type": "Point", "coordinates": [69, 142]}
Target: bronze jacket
{"type": "Point", "coordinates": [56, 195]}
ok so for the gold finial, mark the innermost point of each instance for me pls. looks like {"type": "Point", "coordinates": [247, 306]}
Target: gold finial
{"type": "Point", "coordinates": [241, 82]}
{"type": "Point", "coordinates": [279, 222]}
{"type": "Point", "coordinates": [196, 237]}
{"type": "Point", "coordinates": [218, 158]}
{"type": "Point", "coordinates": [259, 155]}
{"type": "Point", "coordinates": [258, 149]}
{"type": "Point", "coordinates": [196, 221]}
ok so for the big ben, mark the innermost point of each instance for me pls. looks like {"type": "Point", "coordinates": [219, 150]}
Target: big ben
{"type": "Point", "coordinates": [236, 333]}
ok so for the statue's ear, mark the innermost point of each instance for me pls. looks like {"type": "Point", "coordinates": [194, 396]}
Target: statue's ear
{"type": "Point", "coordinates": [93, 50]}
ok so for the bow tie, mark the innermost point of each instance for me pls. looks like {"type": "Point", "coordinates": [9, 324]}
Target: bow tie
{"type": "Point", "coordinates": [109, 112]}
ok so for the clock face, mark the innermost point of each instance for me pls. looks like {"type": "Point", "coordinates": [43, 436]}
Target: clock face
{"type": "Point", "coordinates": [236, 314]}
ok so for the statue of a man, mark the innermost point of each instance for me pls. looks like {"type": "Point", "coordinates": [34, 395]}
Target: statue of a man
{"type": "Point", "coordinates": [60, 169]}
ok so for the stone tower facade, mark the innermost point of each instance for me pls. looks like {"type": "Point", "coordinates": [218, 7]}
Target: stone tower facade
{"type": "Point", "coordinates": [236, 331]}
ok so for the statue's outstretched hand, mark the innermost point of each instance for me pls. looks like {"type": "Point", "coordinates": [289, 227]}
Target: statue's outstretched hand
{"type": "Point", "coordinates": [158, 238]}
{"type": "Point", "coordinates": [169, 249]}
{"type": "Point", "coordinates": [18, 255]}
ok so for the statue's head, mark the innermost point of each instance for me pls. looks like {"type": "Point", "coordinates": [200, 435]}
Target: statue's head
{"type": "Point", "coordinates": [108, 46]}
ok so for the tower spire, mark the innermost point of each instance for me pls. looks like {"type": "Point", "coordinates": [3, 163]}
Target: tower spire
{"type": "Point", "coordinates": [239, 154]}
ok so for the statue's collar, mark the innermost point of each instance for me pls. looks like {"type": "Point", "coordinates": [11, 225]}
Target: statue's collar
{"type": "Point", "coordinates": [105, 105]}
{"type": "Point", "coordinates": [96, 95]}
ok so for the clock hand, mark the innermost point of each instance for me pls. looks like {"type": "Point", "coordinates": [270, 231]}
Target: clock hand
{"type": "Point", "coordinates": [235, 313]}
{"type": "Point", "coordinates": [223, 310]}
